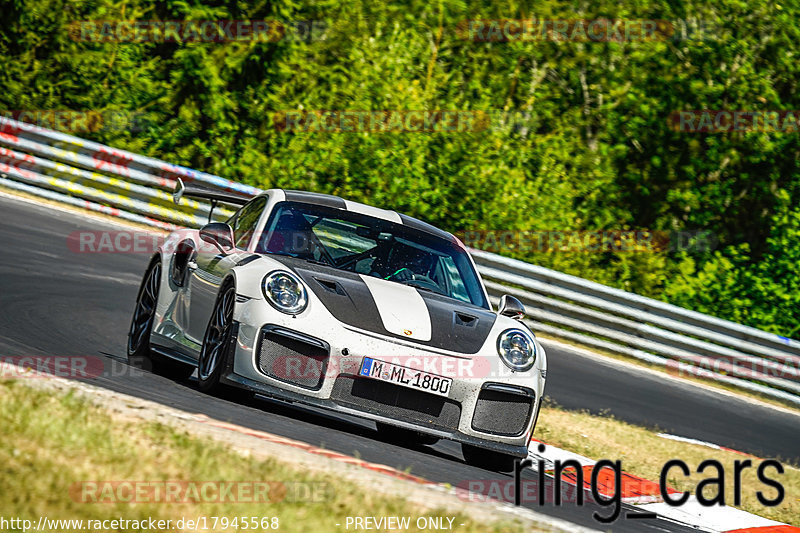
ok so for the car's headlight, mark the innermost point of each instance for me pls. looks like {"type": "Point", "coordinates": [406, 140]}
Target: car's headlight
{"type": "Point", "coordinates": [517, 349]}
{"type": "Point", "coordinates": [285, 292]}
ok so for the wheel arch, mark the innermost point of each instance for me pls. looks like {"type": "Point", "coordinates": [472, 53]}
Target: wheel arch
{"type": "Point", "coordinates": [230, 277]}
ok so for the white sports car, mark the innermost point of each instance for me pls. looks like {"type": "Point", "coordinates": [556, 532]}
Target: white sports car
{"type": "Point", "coordinates": [313, 299]}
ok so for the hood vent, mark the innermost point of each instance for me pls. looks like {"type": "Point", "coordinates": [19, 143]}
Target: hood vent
{"type": "Point", "coordinates": [331, 286]}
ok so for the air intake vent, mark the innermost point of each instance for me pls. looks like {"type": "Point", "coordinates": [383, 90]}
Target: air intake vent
{"type": "Point", "coordinates": [288, 356]}
{"type": "Point", "coordinates": [502, 413]}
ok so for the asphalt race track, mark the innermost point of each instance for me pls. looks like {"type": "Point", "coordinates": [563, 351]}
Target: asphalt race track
{"type": "Point", "coordinates": [59, 302]}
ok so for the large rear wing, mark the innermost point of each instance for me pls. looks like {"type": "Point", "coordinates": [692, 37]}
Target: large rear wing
{"type": "Point", "coordinates": [215, 196]}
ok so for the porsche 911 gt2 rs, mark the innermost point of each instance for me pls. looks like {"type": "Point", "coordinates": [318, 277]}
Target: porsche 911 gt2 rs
{"type": "Point", "coordinates": [312, 299]}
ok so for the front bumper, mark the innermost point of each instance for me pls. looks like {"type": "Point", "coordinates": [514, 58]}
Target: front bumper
{"type": "Point", "coordinates": [487, 406]}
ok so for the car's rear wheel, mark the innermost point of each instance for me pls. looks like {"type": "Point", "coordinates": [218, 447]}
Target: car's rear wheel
{"type": "Point", "coordinates": [139, 352]}
{"type": "Point", "coordinates": [487, 459]}
{"type": "Point", "coordinates": [404, 436]}
{"type": "Point", "coordinates": [216, 341]}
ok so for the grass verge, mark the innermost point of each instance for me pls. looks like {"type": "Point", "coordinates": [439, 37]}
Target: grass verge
{"type": "Point", "coordinates": [644, 453]}
{"type": "Point", "coordinates": [52, 443]}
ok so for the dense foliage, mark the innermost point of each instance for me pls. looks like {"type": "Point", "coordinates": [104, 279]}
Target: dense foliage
{"type": "Point", "coordinates": [586, 143]}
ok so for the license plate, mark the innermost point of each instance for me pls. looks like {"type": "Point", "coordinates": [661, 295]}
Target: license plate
{"type": "Point", "coordinates": [407, 377]}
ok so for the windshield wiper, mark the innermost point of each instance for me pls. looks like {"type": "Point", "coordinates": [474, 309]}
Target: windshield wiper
{"type": "Point", "coordinates": [317, 262]}
{"type": "Point", "coordinates": [306, 259]}
{"type": "Point", "coordinates": [424, 289]}
{"type": "Point", "coordinates": [410, 283]}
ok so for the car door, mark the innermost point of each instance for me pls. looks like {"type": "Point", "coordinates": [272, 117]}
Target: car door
{"type": "Point", "coordinates": [212, 265]}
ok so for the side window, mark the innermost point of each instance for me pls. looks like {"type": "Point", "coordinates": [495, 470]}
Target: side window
{"type": "Point", "coordinates": [245, 221]}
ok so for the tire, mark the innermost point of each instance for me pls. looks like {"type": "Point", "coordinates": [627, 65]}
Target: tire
{"type": "Point", "coordinates": [213, 354]}
{"type": "Point", "coordinates": [404, 436]}
{"type": "Point", "coordinates": [139, 353]}
{"type": "Point", "coordinates": [487, 459]}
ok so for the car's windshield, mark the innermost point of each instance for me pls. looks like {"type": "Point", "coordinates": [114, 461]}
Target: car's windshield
{"type": "Point", "coordinates": [371, 246]}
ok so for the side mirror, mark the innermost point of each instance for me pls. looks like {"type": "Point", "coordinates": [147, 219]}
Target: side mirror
{"type": "Point", "coordinates": [219, 234]}
{"type": "Point", "coordinates": [511, 307]}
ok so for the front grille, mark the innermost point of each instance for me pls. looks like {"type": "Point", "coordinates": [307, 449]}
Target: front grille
{"type": "Point", "coordinates": [288, 357]}
{"type": "Point", "coordinates": [397, 402]}
{"type": "Point", "coordinates": [502, 413]}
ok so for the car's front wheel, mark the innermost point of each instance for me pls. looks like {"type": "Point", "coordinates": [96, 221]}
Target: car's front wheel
{"type": "Point", "coordinates": [216, 341]}
{"type": "Point", "coordinates": [487, 459]}
{"type": "Point", "coordinates": [139, 353]}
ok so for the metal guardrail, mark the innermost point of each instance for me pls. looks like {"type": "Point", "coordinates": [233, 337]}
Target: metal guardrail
{"type": "Point", "coordinates": [65, 164]}
{"type": "Point", "coordinates": [133, 187]}
{"type": "Point", "coordinates": [686, 342]}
